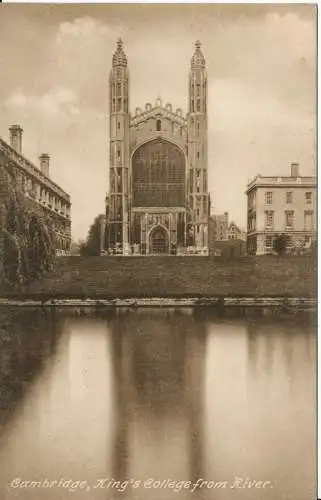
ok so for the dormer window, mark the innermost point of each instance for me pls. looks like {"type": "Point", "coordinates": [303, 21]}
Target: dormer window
{"type": "Point", "coordinates": [158, 125]}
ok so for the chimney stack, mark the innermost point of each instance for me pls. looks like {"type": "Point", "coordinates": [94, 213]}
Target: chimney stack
{"type": "Point", "coordinates": [44, 163]}
{"type": "Point", "coordinates": [295, 170]}
{"type": "Point", "coordinates": [16, 138]}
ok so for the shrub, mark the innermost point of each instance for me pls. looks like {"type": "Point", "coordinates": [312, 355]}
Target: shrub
{"type": "Point", "coordinates": [280, 243]}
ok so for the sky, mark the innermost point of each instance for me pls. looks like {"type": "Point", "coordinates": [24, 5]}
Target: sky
{"type": "Point", "coordinates": [261, 63]}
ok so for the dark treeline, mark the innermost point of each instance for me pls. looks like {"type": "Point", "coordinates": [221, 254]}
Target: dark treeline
{"type": "Point", "coordinates": [91, 246]}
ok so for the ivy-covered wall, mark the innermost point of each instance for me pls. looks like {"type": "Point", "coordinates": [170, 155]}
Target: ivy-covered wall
{"type": "Point", "coordinates": [27, 244]}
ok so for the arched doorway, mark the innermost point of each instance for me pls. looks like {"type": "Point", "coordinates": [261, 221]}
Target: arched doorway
{"type": "Point", "coordinates": [158, 241]}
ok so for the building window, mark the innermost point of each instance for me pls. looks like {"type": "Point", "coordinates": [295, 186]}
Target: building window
{"type": "Point", "coordinates": [268, 197]}
{"type": "Point", "coordinates": [289, 218]}
{"type": "Point", "coordinates": [158, 157]}
{"type": "Point", "coordinates": [308, 220]}
{"type": "Point", "coordinates": [125, 181]}
{"type": "Point", "coordinates": [158, 125]}
{"type": "Point", "coordinates": [140, 155]}
{"type": "Point", "coordinates": [308, 198]}
{"type": "Point", "coordinates": [204, 181]}
{"type": "Point", "coordinates": [269, 216]}
{"type": "Point", "coordinates": [198, 129]}
{"type": "Point", "coordinates": [252, 200]}
{"type": "Point", "coordinates": [198, 154]}
{"type": "Point", "coordinates": [307, 241]}
{"type": "Point", "coordinates": [119, 183]}
{"type": "Point", "coordinates": [198, 105]}
{"type": "Point", "coordinates": [198, 172]}
{"type": "Point", "coordinates": [254, 222]}
{"type": "Point", "coordinates": [118, 154]}
{"type": "Point", "coordinates": [118, 108]}
{"type": "Point", "coordinates": [118, 125]}
{"type": "Point", "coordinates": [198, 90]}
{"type": "Point", "coordinates": [268, 242]}
{"type": "Point", "coordinates": [289, 197]}
{"type": "Point", "coordinates": [205, 205]}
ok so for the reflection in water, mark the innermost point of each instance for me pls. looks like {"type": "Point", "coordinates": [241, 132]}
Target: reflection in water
{"type": "Point", "coordinates": [23, 352]}
{"type": "Point", "coordinates": [159, 379]}
{"type": "Point", "coordinates": [156, 395]}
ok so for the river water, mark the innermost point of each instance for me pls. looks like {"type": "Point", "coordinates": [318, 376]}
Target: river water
{"type": "Point", "coordinates": [156, 405]}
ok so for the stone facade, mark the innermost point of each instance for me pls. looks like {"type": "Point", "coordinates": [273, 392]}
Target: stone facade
{"type": "Point", "coordinates": [281, 205]}
{"type": "Point", "coordinates": [218, 228]}
{"type": "Point", "coordinates": [235, 233]}
{"type": "Point", "coordinates": [225, 239]}
{"type": "Point", "coordinates": [158, 200]}
{"type": "Point", "coordinates": [48, 198]}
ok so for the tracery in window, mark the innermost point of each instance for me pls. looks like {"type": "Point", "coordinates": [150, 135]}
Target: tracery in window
{"type": "Point", "coordinates": [158, 175]}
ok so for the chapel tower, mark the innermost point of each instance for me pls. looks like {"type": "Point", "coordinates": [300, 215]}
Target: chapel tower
{"type": "Point", "coordinates": [198, 201]}
{"type": "Point", "coordinates": [118, 231]}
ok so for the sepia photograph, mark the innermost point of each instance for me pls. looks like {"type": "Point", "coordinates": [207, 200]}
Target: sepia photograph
{"type": "Point", "coordinates": [158, 251]}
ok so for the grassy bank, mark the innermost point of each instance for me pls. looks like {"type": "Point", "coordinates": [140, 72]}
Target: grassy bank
{"type": "Point", "coordinates": [112, 277]}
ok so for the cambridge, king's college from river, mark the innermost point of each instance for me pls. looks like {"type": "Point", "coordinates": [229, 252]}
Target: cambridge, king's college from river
{"type": "Point", "coordinates": [158, 285]}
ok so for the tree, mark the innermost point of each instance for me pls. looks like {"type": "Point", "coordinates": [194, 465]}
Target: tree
{"type": "Point", "coordinates": [92, 244]}
{"type": "Point", "coordinates": [314, 248]}
{"type": "Point", "coordinates": [75, 247]}
{"type": "Point", "coordinates": [27, 241]}
{"type": "Point", "coordinates": [280, 243]}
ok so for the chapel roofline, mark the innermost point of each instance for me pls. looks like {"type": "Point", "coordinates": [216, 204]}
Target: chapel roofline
{"type": "Point", "coordinates": [165, 110]}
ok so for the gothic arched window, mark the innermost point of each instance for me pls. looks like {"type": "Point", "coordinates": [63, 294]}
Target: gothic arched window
{"type": "Point", "coordinates": [158, 125]}
{"type": "Point", "coordinates": [158, 181]}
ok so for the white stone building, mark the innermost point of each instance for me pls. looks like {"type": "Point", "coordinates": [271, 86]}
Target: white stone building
{"type": "Point", "coordinates": [281, 205]}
